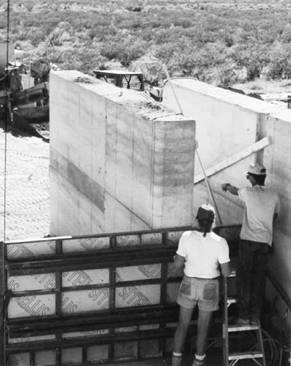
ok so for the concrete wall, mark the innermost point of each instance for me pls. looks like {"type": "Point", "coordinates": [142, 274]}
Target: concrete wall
{"type": "Point", "coordinates": [226, 123]}
{"type": "Point", "coordinates": [278, 162]}
{"type": "Point", "coordinates": [117, 163]}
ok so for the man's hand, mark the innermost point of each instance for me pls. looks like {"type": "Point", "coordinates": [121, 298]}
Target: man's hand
{"type": "Point", "coordinates": [227, 187]}
{"type": "Point", "coordinates": [224, 186]}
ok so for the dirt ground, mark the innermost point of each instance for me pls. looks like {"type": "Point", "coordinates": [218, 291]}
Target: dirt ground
{"type": "Point", "coordinates": [26, 213]}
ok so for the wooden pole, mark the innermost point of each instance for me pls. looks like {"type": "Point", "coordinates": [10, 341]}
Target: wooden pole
{"type": "Point", "coordinates": [210, 192]}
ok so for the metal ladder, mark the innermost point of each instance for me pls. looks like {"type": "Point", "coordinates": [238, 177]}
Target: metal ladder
{"type": "Point", "coordinates": [233, 358]}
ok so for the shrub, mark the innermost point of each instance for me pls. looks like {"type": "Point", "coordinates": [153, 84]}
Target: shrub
{"type": "Point", "coordinates": [286, 34]}
{"type": "Point", "coordinates": [280, 65]}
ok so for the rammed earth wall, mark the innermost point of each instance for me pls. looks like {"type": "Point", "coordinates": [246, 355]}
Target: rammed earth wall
{"type": "Point", "coordinates": [117, 161]}
{"type": "Point", "coordinates": [226, 124]}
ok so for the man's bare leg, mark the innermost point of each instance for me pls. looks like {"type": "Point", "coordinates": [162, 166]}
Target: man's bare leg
{"type": "Point", "coordinates": [204, 319]}
{"type": "Point", "coordinates": [181, 331]}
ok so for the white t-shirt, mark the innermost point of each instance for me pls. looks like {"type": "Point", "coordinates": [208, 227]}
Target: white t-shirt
{"type": "Point", "coordinates": [260, 206]}
{"type": "Point", "coordinates": [202, 254]}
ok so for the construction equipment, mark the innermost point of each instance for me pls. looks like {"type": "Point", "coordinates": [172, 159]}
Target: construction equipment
{"type": "Point", "coordinates": [230, 357]}
{"type": "Point", "coordinates": [122, 77]}
{"type": "Point", "coordinates": [28, 106]}
{"type": "Point", "coordinates": [35, 96]}
{"type": "Point", "coordinates": [25, 105]}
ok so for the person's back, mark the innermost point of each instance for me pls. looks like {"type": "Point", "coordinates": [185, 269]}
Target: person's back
{"type": "Point", "coordinates": [261, 203]}
{"type": "Point", "coordinates": [202, 253]}
{"type": "Point", "coordinates": [261, 207]}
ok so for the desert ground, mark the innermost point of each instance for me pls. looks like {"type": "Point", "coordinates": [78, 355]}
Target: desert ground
{"type": "Point", "coordinates": [26, 211]}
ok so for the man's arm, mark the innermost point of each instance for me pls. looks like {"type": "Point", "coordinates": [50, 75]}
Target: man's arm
{"type": "Point", "coordinates": [227, 187]}
{"type": "Point", "coordinates": [225, 269]}
{"type": "Point", "coordinates": [179, 262]}
{"type": "Point", "coordinates": [277, 208]}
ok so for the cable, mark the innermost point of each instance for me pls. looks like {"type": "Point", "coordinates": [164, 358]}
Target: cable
{"type": "Point", "coordinates": [275, 347]}
{"type": "Point", "coordinates": [7, 117]}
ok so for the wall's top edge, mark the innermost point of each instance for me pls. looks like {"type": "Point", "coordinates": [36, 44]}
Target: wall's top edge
{"type": "Point", "coordinates": [282, 114]}
{"type": "Point", "coordinates": [139, 102]}
{"type": "Point", "coordinates": [172, 117]}
{"type": "Point", "coordinates": [243, 101]}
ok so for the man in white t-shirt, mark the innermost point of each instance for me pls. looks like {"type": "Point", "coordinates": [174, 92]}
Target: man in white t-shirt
{"type": "Point", "coordinates": [203, 254]}
{"type": "Point", "coordinates": [261, 207]}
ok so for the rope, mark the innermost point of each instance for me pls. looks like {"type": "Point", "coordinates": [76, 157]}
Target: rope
{"type": "Point", "coordinates": [7, 117]}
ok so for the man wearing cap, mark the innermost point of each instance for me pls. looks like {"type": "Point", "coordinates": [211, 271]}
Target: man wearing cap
{"type": "Point", "coordinates": [261, 207]}
{"type": "Point", "coordinates": [203, 255]}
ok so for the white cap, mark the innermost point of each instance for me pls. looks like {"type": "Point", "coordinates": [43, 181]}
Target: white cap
{"type": "Point", "coordinates": [257, 169]}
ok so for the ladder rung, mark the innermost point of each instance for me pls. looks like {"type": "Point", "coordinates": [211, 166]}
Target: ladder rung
{"type": "Point", "coordinates": [245, 355]}
{"type": "Point", "coordinates": [242, 328]}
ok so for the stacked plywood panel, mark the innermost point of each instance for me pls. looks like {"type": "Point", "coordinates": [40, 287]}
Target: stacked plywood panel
{"type": "Point", "coordinates": [59, 292]}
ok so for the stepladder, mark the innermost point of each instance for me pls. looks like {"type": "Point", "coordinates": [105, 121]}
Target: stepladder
{"type": "Point", "coordinates": [242, 344]}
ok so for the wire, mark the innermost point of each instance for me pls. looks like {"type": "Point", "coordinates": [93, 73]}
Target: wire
{"type": "Point", "coordinates": [275, 348]}
{"type": "Point", "coordinates": [7, 117]}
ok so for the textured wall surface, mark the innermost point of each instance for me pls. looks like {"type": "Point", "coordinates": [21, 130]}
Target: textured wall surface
{"type": "Point", "coordinates": [226, 123]}
{"type": "Point", "coordinates": [117, 161]}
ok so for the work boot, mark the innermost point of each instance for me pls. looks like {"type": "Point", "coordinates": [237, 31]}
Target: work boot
{"type": "Point", "coordinates": [176, 360]}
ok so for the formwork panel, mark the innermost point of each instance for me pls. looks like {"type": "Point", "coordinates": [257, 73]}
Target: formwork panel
{"type": "Point", "coordinates": [86, 244]}
{"type": "Point", "coordinates": [93, 288]}
{"type": "Point", "coordinates": [31, 249]}
{"type": "Point", "coordinates": [150, 348]}
{"type": "Point", "coordinates": [19, 359]}
{"type": "Point", "coordinates": [72, 355]}
{"type": "Point", "coordinates": [125, 351]}
{"type": "Point", "coordinates": [27, 306]}
{"type": "Point", "coordinates": [98, 353]}
{"type": "Point", "coordinates": [142, 272]}
{"type": "Point", "coordinates": [137, 295]}
{"type": "Point", "coordinates": [81, 278]}
{"type": "Point", "coordinates": [82, 301]}
{"type": "Point", "coordinates": [34, 282]}
{"type": "Point", "coordinates": [47, 358]}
